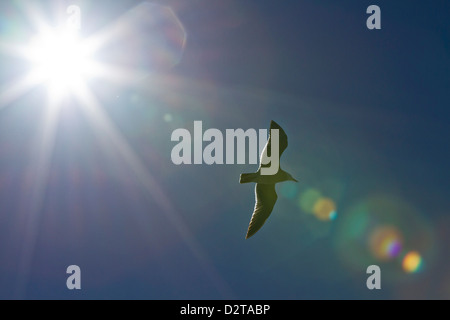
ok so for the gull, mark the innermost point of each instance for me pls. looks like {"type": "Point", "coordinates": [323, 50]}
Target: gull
{"type": "Point", "coordinates": [265, 194]}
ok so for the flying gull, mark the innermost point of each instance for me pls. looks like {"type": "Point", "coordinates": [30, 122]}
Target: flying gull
{"type": "Point", "coordinates": [265, 194]}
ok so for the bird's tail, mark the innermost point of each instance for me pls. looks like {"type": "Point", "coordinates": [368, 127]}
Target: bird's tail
{"type": "Point", "coordinates": [248, 177]}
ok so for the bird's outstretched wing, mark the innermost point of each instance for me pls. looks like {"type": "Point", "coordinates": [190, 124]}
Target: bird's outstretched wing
{"type": "Point", "coordinates": [265, 197]}
{"type": "Point", "coordinates": [283, 142]}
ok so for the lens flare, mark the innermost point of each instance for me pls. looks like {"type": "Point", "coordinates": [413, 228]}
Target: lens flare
{"type": "Point", "coordinates": [149, 37]}
{"type": "Point", "coordinates": [168, 117]}
{"type": "Point", "coordinates": [308, 199]}
{"type": "Point", "coordinates": [289, 190]}
{"type": "Point", "coordinates": [412, 262]}
{"type": "Point", "coordinates": [377, 229]}
{"type": "Point", "coordinates": [385, 243]}
{"type": "Point", "coordinates": [333, 215]}
{"type": "Point", "coordinates": [324, 209]}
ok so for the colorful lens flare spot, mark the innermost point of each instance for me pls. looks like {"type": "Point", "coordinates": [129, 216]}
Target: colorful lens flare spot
{"type": "Point", "coordinates": [412, 262]}
{"type": "Point", "coordinates": [308, 199]}
{"type": "Point", "coordinates": [333, 215]}
{"type": "Point", "coordinates": [386, 243]}
{"type": "Point", "coordinates": [324, 209]}
{"type": "Point", "coordinates": [168, 117]}
{"type": "Point", "coordinates": [289, 190]}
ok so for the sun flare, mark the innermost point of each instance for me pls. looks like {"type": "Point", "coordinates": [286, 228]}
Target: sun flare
{"type": "Point", "coordinates": [61, 60]}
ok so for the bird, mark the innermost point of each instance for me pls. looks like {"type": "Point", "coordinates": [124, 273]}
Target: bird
{"type": "Point", "coordinates": [265, 193]}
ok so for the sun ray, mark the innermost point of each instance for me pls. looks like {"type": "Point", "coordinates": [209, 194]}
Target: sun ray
{"type": "Point", "coordinates": [64, 62]}
{"type": "Point", "coordinates": [41, 168]}
{"type": "Point", "coordinates": [18, 88]}
{"type": "Point", "coordinates": [100, 121]}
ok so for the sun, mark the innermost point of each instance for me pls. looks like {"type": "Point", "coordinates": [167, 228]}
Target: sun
{"type": "Point", "coordinates": [61, 60]}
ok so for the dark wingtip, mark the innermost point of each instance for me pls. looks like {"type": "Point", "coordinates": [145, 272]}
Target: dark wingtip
{"type": "Point", "coordinates": [274, 125]}
{"type": "Point", "coordinates": [250, 233]}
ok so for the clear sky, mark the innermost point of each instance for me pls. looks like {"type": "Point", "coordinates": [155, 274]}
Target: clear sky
{"type": "Point", "coordinates": [88, 180]}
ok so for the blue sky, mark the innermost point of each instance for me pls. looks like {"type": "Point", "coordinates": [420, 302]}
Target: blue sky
{"type": "Point", "coordinates": [365, 111]}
